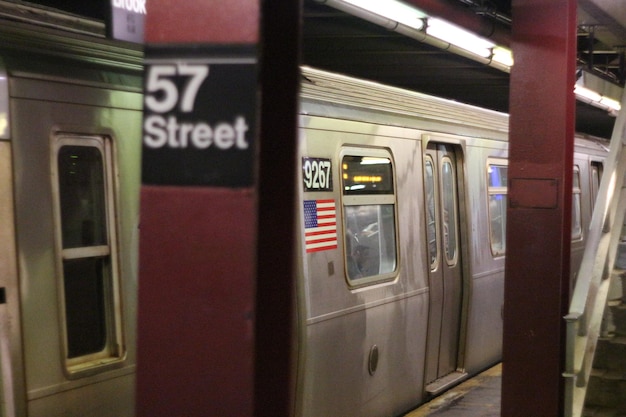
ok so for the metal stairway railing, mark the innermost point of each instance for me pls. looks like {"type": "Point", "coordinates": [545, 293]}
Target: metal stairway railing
{"type": "Point", "coordinates": [596, 270]}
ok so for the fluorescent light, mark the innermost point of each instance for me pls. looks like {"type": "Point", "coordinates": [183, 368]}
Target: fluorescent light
{"type": "Point", "coordinates": [587, 93]}
{"type": "Point", "coordinates": [393, 10]}
{"type": "Point", "coordinates": [502, 55]}
{"type": "Point", "coordinates": [459, 37]}
{"type": "Point", "coordinates": [598, 92]}
{"type": "Point", "coordinates": [610, 103]}
{"type": "Point", "coordinates": [412, 22]}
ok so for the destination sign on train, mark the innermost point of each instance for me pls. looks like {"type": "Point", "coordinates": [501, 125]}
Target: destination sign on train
{"type": "Point", "coordinates": [127, 19]}
{"type": "Point", "coordinates": [199, 116]}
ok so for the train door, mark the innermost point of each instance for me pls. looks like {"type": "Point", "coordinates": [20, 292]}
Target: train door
{"type": "Point", "coordinates": [444, 258]}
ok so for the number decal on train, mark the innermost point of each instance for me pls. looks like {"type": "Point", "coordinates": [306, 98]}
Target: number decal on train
{"type": "Point", "coordinates": [317, 174]}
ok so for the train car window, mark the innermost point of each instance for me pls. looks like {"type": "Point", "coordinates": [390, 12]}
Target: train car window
{"type": "Point", "coordinates": [577, 225]}
{"type": "Point", "coordinates": [431, 212]}
{"type": "Point", "coordinates": [497, 171]}
{"type": "Point", "coordinates": [84, 192]}
{"type": "Point", "coordinates": [448, 191]}
{"type": "Point", "coordinates": [596, 175]}
{"type": "Point", "coordinates": [369, 216]}
{"type": "Point", "coordinates": [81, 191]}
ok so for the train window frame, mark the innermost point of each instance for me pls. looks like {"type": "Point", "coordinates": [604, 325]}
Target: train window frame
{"type": "Point", "coordinates": [577, 221]}
{"type": "Point", "coordinates": [497, 244]}
{"type": "Point", "coordinates": [382, 201]}
{"type": "Point", "coordinates": [449, 200]}
{"type": "Point", "coordinates": [99, 258]}
{"type": "Point", "coordinates": [597, 170]}
{"type": "Point", "coordinates": [432, 217]}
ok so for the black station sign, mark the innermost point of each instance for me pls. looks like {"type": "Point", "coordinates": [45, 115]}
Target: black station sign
{"type": "Point", "coordinates": [199, 116]}
{"type": "Point", "coordinates": [127, 20]}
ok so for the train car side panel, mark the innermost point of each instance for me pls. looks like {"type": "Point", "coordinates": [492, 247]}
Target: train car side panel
{"type": "Point", "coordinates": [345, 326]}
{"type": "Point", "coordinates": [589, 156]}
{"type": "Point", "coordinates": [326, 139]}
{"type": "Point", "coordinates": [58, 373]}
{"type": "Point", "coordinates": [483, 344]}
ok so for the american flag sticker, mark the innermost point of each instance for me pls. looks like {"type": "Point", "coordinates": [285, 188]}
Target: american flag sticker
{"type": "Point", "coordinates": [320, 225]}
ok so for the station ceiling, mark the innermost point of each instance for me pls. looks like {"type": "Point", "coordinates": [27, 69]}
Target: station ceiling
{"type": "Point", "coordinates": [337, 41]}
{"type": "Point", "coordinates": [344, 43]}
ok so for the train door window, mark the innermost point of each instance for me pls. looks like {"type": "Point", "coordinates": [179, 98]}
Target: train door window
{"type": "Point", "coordinates": [497, 171]}
{"type": "Point", "coordinates": [431, 211]}
{"type": "Point", "coordinates": [369, 216]}
{"type": "Point", "coordinates": [577, 227]}
{"type": "Point", "coordinates": [86, 241]}
{"type": "Point", "coordinates": [448, 174]}
{"type": "Point", "coordinates": [596, 175]}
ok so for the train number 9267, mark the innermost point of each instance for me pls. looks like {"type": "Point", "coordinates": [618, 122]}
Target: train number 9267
{"type": "Point", "coordinates": [317, 174]}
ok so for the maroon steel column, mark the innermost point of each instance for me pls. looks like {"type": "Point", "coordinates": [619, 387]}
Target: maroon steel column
{"type": "Point", "coordinates": [542, 111]}
{"type": "Point", "coordinates": [280, 79]}
{"type": "Point", "coordinates": [205, 149]}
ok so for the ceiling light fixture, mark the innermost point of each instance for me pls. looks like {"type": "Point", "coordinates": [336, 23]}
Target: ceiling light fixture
{"type": "Point", "coordinates": [393, 10]}
{"type": "Point", "coordinates": [389, 14]}
{"type": "Point", "coordinates": [598, 92]}
{"type": "Point", "coordinates": [412, 22]}
{"type": "Point", "coordinates": [587, 93]}
{"type": "Point", "coordinates": [503, 56]}
{"type": "Point", "coordinates": [610, 103]}
{"type": "Point", "coordinates": [458, 36]}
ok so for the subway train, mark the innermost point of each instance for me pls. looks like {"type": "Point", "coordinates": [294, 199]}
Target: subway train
{"type": "Point", "coordinates": [401, 231]}
{"type": "Point", "coordinates": [402, 222]}
{"type": "Point", "coordinates": [70, 141]}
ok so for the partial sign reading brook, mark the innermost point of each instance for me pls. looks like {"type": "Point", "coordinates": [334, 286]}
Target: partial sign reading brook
{"type": "Point", "coordinates": [127, 19]}
{"type": "Point", "coordinates": [199, 118]}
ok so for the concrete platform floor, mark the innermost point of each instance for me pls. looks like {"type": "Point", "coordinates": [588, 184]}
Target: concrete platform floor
{"type": "Point", "coordinates": [476, 397]}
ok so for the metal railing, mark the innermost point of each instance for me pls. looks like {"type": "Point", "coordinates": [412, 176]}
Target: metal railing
{"type": "Point", "coordinates": [589, 299]}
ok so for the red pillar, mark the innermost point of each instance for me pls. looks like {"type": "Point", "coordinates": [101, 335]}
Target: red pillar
{"type": "Point", "coordinates": [203, 272]}
{"type": "Point", "coordinates": [280, 80]}
{"type": "Point", "coordinates": [542, 108]}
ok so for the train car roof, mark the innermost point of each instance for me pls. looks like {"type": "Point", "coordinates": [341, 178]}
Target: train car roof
{"type": "Point", "coordinates": [37, 40]}
{"type": "Point", "coordinates": [334, 95]}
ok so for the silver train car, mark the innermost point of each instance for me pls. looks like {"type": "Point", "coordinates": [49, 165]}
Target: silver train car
{"type": "Point", "coordinates": [70, 139]}
{"type": "Point", "coordinates": [402, 243]}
